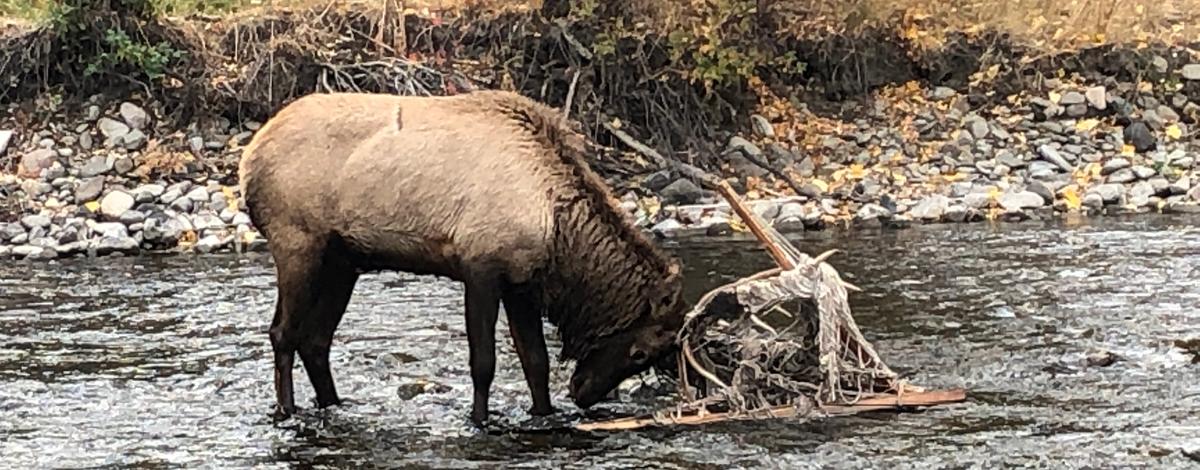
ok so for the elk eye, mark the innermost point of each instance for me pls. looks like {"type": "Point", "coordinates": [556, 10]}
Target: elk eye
{"type": "Point", "coordinates": [638, 355]}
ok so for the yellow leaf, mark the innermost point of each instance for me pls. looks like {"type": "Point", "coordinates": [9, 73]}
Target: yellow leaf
{"type": "Point", "coordinates": [92, 206]}
{"type": "Point", "coordinates": [1174, 132]}
{"type": "Point", "coordinates": [248, 237]}
{"type": "Point", "coordinates": [1086, 125]}
{"type": "Point", "coordinates": [952, 177]}
{"type": "Point", "coordinates": [857, 171]}
{"type": "Point", "coordinates": [1071, 197]}
{"type": "Point", "coordinates": [616, 123]}
{"type": "Point", "coordinates": [1128, 150]}
{"type": "Point", "coordinates": [1055, 97]}
{"type": "Point", "coordinates": [820, 184]}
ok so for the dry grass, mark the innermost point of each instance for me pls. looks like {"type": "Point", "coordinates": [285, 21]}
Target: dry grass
{"type": "Point", "coordinates": [1048, 23]}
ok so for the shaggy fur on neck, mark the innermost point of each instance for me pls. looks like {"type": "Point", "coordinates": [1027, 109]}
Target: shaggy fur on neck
{"type": "Point", "coordinates": [604, 275]}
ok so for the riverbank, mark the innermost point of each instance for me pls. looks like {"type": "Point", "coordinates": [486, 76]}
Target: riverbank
{"type": "Point", "coordinates": [1011, 135]}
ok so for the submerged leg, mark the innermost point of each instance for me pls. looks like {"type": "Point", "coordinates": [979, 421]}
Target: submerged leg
{"type": "Point", "coordinates": [336, 284]}
{"type": "Point", "coordinates": [525, 325]}
{"type": "Point", "coordinates": [482, 304]}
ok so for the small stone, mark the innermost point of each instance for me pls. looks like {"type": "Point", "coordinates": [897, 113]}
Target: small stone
{"type": "Point", "coordinates": [1109, 193]}
{"type": "Point", "coordinates": [198, 194]}
{"type": "Point", "coordinates": [956, 213]}
{"type": "Point", "coordinates": [1097, 96]}
{"type": "Point", "coordinates": [134, 115]}
{"type": "Point", "coordinates": [1093, 201]}
{"type": "Point", "coordinates": [209, 244]}
{"type": "Point", "coordinates": [182, 204]}
{"type": "Point", "coordinates": [148, 192]}
{"type": "Point", "coordinates": [241, 218]}
{"type": "Point", "coordinates": [1140, 137]}
{"type": "Point", "coordinates": [112, 128]}
{"type": "Point", "coordinates": [107, 245]}
{"type": "Point", "coordinates": [738, 143]}
{"type": "Point", "coordinates": [1051, 155]}
{"type": "Point", "coordinates": [134, 140]}
{"type": "Point", "coordinates": [132, 217]}
{"type": "Point", "coordinates": [1160, 186]}
{"type": "Point", "coordinates": [11, 230]}
{"type": "Point", "coordinates": [34, 162]}
{"type": "Point", "coordinates": [1167, 114]}
{"type": "Point", "coordinates": [977, 200]}
{"type": "Point", "coordinates": [1152, 119]}
{"type": "Point", "coordinates": [196, 143]}
{"type": "Point", "coordinates": [1101, 359]}
{"type": "Point", "coordinates": [1181, 186]}
{"type": "Point", "coordinates": [1114, 165]}
{"type": "Point", "coordinates": [762, 127]}
{"type": "Point", "coordinates": [1010, 160]}
{"type": "Point", "coordinates": [95, 166]}
{"type": "Point", "coordinates": [1042, 190]}
{"type": "Point", "coordinates": [657, 181]}
{"type": "Point", "coordinates": [942, 93]}
{"type": "Point", "coordinates": [89, 189]}
{"type": "Point", "coordinates": [1121, 176]}
{"type": "Point", "coordinates": [85, 141]}
{"type": "Point", "coordinates": [1072, 97]}
{"type": "Point", "coordinates": [1077, 110]}
{"type": "Point", "coordinates": [92, 113]}
{"type": "Point", "coordinates": [35, 221]}
{"type": "Point", "coordinates": [115, 203]}
{"type": "Point", "coordinates": [252, 125]}
{"type": "Point", "coordinates": [1190, 72]}
{"type": "Point", "coordinates": [931, 208]}
{"type": "Point", "coordinates": [682, 191]}
{"type": "Point", "coordinates": [667, 227]}
{"type": "Point", "coordinates": [123, 165]}
{"type": "Point", "coordinates": [1143, 172]}
{"type": "Point", "coordinates": [872, 212]}
{"type": "Point", "coordinates": [978, 127]}
{"type": "Point", "coordinates": [5, 138]}
{"type": "Point", "coordinates": [1019, 201]}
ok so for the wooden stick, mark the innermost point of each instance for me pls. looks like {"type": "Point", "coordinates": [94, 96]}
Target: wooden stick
{"type": "Point", "coordinates": [872, 403]}
{"type": "Point", "coordinates": [755, 227]}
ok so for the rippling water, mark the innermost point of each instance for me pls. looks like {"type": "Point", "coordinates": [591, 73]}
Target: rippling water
{"type": "Point", "coordinates": [147, 362]}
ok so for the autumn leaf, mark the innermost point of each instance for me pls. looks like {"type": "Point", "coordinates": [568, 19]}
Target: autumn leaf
{"type": "Point", "coordinates": [857, 171]}
{"type": "Point", "coordinates": [1055, 97]}
{"type": "Point", "coordinates": [820, 183]}
{"type": "Point", "coordinates": [1174, 132]}
{"type": "Point", "coordinates": [1128, 150]}
{"type": "Point", "coordinates": [1086, 125]}
{"type": "Point", "coordinates": [1071, 197]}
{"type": "Point", "coordinates": [994, 193]}
{"type": "Point", "coordinates": [92, 206]}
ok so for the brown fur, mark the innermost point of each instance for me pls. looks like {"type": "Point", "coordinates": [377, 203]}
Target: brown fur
{"type": "Point", "coordinates": [475, 186]}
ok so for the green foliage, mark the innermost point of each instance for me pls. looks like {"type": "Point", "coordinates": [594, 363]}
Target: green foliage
{"type": "Point", "coordinates": [122, 51]}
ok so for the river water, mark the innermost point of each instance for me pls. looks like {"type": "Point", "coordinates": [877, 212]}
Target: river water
{"type": "Point", "coordinates": [163, 362]}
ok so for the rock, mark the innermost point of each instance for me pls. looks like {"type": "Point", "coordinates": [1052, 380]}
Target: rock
{"type": "Point", "coordinates": [109, 229]}
{"type": "Point", "coordinates": [1018, 201]}
{"type": "Point", "coordinates": [1101, 359]}
{"type": "Point", "coordinates": [115, 203]}
{"type": "Point", "coordinates": [1051, 155]}
{"type": "Point", "coordinates": [204, 222]}
{"type": "Point", "coordinates": [978, 127]}
{"type": "Point", "coordinates": [85, 141]}
{"type": "Point", "coordinates": [1072, 97]}
{"type": "Point", "coordinates": [132, 217]}
{"type": "Point", "coordinates": [682, 191]}
{"type": "Point", "coordinates": [1041, 170]}
{"type": "Point", "coordinates": [1152, 119]}
{"type": "Point", "coordinates": [811, 191]}
{"type": "Point", "coordinates": [1109, 193]}
{"type": "Point", "coordinates": [92, 113]}
{"type": "Point", "coordinates": [1140, 137]}
{"type": "Point", "coordinates": [196, 143]}
{"type": "Point", "coordinates": [1181, 186]}
{"type": "Point", "coordinates": [5, 138]}
{"type": "Point", "coordinates": [198, 194]}
{"type": "Point", "coordinates": [737, 143]}
{"type": "Point", "coordinates": [790, 212]}
{"type": "Point", "coordinates": [931, 208]}
{"type": "Point", "coordinates": [657, 181]}
{"type": "Point", "coordinates": [95, 166]}
{"type": "Point", "coordinates": [1097, 96]}
{"type": "Point", "coordinates": [1190, 72]}
{"type": "Point", "coordinates": [134, 116]}
{"type": "Point", "coordinates": [1143, 172]}
{"type": "Point", "coordinates": [149, 192]}
{"type": "Point", "coordinates": [1167, 114]}
{"type": "Point", "coordinates": [10, 231]}
{"type": "Point", "coordinates": [35, 221]}
{"type": "Point", "coordinates": [33, 252]}
{"type": "Point", "coordinates": [182, 204]}
{"type": "Point", "coordinates": [956, 213]}
{"type": "Point", "coordinates": [1093, 201]}
{"type": "Point", "coordinates": [109, 244]}
{"type": "Point", "coordinates": [209, 244]}
{"type": "Point", "coordinates": [872, 212]}
{"type": "Point", "coordinates": [160, 229]}
{"type": "Point", "coordinates": [1114, 165]}
{"type": "Point", "coordinates": [134, 140]}
{"type": "Point", "coordinates": [762, 127]}
{"type": "Point", "coordinates": [89, 189]}
{"type": "Point", "coordinates": [1010, 160]}
{"type": "Point", "coordinates": [977, 200]}
{"type": "Point", "coordinates": [112, 128]}
{"type": "Point", "coordinates": [1077, 110]}
{"type": "Point", "coordinates": [942, 93]}
{"type": "Point", "coordinates": [35, 161]}
{"type": "Point", "coordinates": [1160, 186]}
{"type": "Point", "coordinates": [1042, 190]}
{"type": "Point", "coordinates": [667, 227]}
{"type": "Point", "coordinates": [1181, 207]}
{"type": "Point", "coordinates": [1121, 176]}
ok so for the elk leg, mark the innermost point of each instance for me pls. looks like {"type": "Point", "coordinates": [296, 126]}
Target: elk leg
{"type": "Point", "coordinates": [482, 304]}
{"type": "Point", "coordinates": [525, 325]}
{"type": "Point", "coordinates": [296, 264]}
{"type": "Point", "coordinates": [336, 285]}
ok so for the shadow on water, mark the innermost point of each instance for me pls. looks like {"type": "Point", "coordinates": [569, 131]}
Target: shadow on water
{"type": "Point", "coordinates": [1072, 339]}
